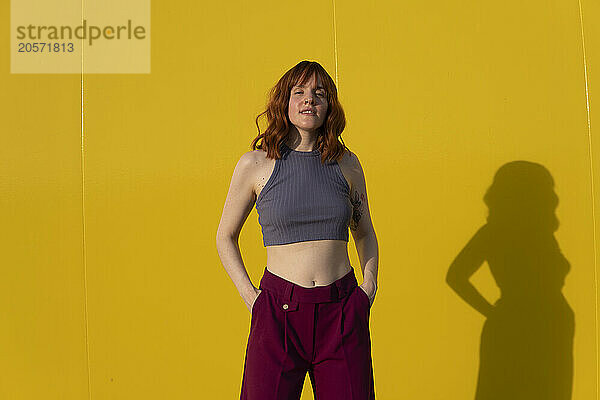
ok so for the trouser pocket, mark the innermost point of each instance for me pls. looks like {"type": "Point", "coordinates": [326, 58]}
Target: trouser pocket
{"type": "Point", "coordinates": [365, 298]}
{"type": "Point", "coordinates": [257, 300]}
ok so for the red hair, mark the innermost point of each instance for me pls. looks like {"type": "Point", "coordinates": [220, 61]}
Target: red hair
{"type": "Point", "coordinates": [328, 134]}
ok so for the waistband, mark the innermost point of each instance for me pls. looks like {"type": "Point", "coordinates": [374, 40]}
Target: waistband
{"type": "Point", "coordinates": [319, 294]}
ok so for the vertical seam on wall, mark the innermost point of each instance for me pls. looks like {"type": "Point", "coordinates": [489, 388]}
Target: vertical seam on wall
{"type": "Point", "coordinates": [337, 84]}
{"type": "Point", "coordinates": [84, 254]}
{"type": "Point", "coordinates": [589, 129]}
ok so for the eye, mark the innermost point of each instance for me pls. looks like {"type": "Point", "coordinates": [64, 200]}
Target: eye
{"type": "Point", "coordinates": [320, 94]}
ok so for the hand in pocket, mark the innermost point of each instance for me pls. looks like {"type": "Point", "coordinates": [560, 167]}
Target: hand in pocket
{"type": "Point", "coordinates": [251, 307]}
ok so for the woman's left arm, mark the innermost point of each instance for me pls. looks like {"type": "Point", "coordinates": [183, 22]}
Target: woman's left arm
{"type": "Point", "coordinates": [362, 229]}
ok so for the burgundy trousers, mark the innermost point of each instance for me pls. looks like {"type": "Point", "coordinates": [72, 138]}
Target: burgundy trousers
{"type": "Point", "coordinates": [323, 330]}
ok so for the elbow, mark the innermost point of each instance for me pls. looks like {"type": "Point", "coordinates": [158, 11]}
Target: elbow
{"type": "Point", "coordinates": [221, 238]}
{"type": "Point", "coordinates": [364, 236]}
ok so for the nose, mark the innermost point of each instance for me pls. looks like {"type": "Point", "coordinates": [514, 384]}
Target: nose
{"type": "Point", "coordinates": [308, 99]}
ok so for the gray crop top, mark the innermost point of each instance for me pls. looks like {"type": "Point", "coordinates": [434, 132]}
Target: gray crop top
{"type": "Point", "coordinates": [304, 200]}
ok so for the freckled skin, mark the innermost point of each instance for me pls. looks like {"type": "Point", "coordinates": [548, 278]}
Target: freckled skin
{"type": "Point", "coordinates": [357, 201]}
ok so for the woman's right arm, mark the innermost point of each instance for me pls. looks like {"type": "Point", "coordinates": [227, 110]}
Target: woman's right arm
{"type": "Point", "coordinates": [238, 205]}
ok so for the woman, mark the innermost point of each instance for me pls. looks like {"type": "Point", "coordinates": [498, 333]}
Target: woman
{"type": "Point", "coordinates": [309, 313]}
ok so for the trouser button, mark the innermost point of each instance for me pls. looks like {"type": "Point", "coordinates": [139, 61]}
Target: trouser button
{"type": "Point", "coordinates": [285, 306]}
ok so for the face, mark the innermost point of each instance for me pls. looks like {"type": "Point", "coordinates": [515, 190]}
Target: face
{"type": "Point", "coordinates": [310, 96]}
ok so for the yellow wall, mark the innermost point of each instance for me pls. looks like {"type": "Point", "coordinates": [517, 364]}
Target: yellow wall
{"type": "Point", "coordinates": [111, 285]}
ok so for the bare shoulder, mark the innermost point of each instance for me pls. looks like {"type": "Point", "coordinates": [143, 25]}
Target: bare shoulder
{"type": "Point", "coordinates": [351, 168]}
{"type": "Point", "coordinates": [247, 163]}
{"type": "Point", "coordinates": [350, 159]}
{"type": "Point", "coordinates": [253, 159]}
{"type": "Point", "coordinates": [360, 223]}
{"type": "Point", "coordinates": [263, 167]}
{"type": "Point", "coordinates": [260, 160]}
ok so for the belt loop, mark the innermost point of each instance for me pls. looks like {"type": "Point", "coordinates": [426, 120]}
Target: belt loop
{"type": "Point", "coordinates": [288, 291]}
{"type": "Point", "coordinates": [340, 290]}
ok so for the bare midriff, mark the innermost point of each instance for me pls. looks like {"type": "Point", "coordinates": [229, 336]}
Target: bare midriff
{"type": "Point", "coordinates": [309, 264]}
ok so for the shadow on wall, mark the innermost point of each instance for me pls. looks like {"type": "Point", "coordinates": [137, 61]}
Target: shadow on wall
{"type": "Point", "coordinates": [526, 349]}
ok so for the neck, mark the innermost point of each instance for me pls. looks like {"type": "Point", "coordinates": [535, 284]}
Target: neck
{"type": "Point", "coordinates": [301, 140]}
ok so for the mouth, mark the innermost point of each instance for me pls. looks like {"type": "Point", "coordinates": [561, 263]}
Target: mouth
{"type": "Point", "coordinates": [308, 112]}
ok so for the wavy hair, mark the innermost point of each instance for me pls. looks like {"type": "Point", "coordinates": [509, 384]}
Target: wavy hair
{"type": "Point", "coordinates": [328, 134]}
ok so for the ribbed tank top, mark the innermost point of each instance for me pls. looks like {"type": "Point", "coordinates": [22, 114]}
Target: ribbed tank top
{"type": "Point", "coordinates": [304, 200]}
